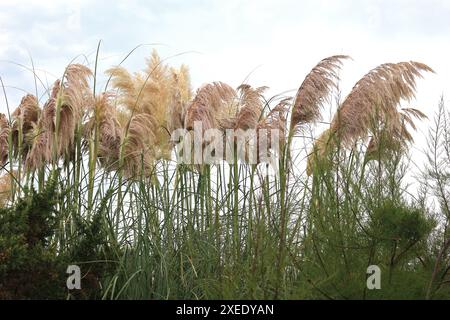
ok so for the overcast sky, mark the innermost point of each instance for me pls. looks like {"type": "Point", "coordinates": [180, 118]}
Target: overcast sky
{"type": "Point", "coordinates": [278, 42]}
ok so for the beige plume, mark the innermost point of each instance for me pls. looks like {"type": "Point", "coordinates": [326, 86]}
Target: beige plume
{"type": "Point", "coordinates": [5, 130]}
{"type": "Point", "coordinates": [110, 130]}
{"type": "Point", "coordinates": [6, 181]}
{"type": "Point", "coordinates": [42, 135]}
{"type": "Point", "coordinates": [274, 120]}
{"type": "Point", "coordinates": [252, 105]}
{"type": "Point", "coordinates": [320, 153]}
{"type": "Point", "coordinates": [375, 98]}
{"type": "Point", "coordinates": [25, 119]}
{"type": "Point", "coordinates": [181, 96]}
{"type": "Point", "coordinates": [215, 106]}
{"type": "Point", "coordinates": [138, 146]}
{"type": "Point", "coordinates": [394, 138]}
{"type": "Point", "coordinates": [74, 98]}
{"type": "Point", "coordinates": [373, 101]}
{"type": "Point", "coordinates": [314, 91]}
{"type": "Point", "coordinates": [159, 92]}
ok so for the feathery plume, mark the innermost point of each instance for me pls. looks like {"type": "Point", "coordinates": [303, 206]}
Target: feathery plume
{"type": "Point", "coordinates": [373, 102]}
{"type": "Point", "coordinates": [214, 105]}
{"type": "Point", "coordinates": [42, 135]}
{"type": "Point", "coordinates": [181, 96]}
{"type": "Point", "coordinates": [314, 91]}
{"type": "Point", "coordinates": [265, 128]}
{"type": "Point", "coordinates": [74, 98]}
{"type": "Point", "coordinates": [375, 98]}
{"type": "Point", "coordinates": [159, 92]}
{"type": "Point", "coordinates": [5, 130]}
{"type": "Point", "coordinates": [110, 130]}
{"type": "Point", "coordinates": [394, 138]}
{"type": "Point", "coordinates": [252, 105]}
{"type": "Point", "coordinates": [321, 151]}
{"type": "Point", "coordinates": [71, 96]}
{"type": "Point", "coordinates": [124, 83]}
{"type": "Point", "coordinates": [138, 146]}
{"type": "Point", "coordinates": [25, 119]}
{"type": "Point", "coordinates": [274, 120]}
{"type": "Point", "coordinates": [5, 187]}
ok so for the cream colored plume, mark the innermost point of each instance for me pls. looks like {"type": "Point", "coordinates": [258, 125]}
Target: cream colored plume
{"type": "Point", "coordinates": [159, 92]}
{"type": "Point", "coordinates": [181, 97]}
{"type": "Point", "coordinates": [319, 156]}
{"type": "Point", "coordinates": [139, 140]}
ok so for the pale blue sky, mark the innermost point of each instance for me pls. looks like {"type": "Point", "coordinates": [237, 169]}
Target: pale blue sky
{"type": "Point", "coordinates": [226, 40]}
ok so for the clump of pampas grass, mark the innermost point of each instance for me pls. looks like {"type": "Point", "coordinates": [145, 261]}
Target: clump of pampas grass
{"type": "Point", "coordinates": [132, 123]}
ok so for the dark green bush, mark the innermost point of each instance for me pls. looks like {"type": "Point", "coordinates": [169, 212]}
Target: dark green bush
{"type": "Point", "coordinates": [31, 264]}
